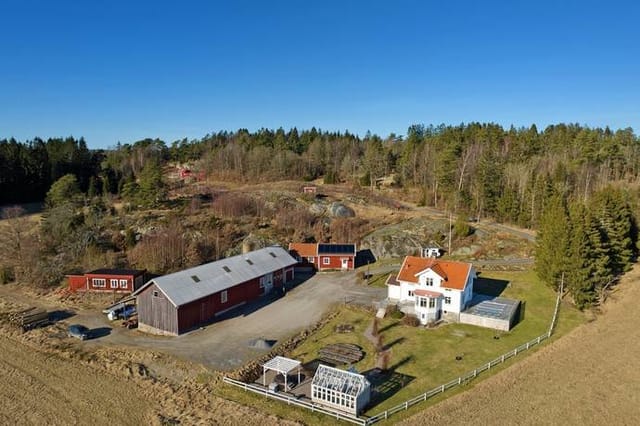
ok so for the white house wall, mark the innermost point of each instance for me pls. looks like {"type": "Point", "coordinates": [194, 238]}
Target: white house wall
{"type": "Point", "coordinates": [401, 293]}
{"type": "Point", "coordinates": [394, 292]}
{"type": "Point", "coordinates": [437, 280]}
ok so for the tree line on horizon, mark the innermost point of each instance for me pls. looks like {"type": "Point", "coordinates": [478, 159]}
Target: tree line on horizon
{"type": "Point", "coordinates": [556, 180]}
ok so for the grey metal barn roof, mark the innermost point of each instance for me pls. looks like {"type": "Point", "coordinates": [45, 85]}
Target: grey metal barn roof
{"type": "Point", "coordinates": [195, 283]}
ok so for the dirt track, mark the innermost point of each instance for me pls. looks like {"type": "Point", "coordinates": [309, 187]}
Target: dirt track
{"type": "Point", "coordinates": [591, 376]}
{"type": "Point", "coordinates": [41, 389]}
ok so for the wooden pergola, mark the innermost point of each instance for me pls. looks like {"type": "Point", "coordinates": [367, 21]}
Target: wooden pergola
{"type": "Point", "coordinates": [281, 365]}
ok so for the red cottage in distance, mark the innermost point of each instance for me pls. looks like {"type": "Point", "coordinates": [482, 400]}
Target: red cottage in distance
{"type": "Point", "coordinates": [108, 280]}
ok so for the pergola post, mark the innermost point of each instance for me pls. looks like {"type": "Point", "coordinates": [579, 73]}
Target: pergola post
{"type": "Point", "coordinates": [264, 376]}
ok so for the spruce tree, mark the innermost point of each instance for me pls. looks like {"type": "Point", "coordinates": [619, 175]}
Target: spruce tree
{"type": "Point", "coordinates": [580, 265]}
{"type": "Point", "coordinates": [552, 242]}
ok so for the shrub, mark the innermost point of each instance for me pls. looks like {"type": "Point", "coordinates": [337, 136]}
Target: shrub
{"type": "Point", "coordinates": [6, 275]}
{"type": "Point", "coordinates": [411, 320]}
{"type": "Point", "coordinates": [461, 228]}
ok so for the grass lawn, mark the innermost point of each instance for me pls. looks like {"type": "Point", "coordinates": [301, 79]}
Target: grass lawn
{"type": "Point", "coordinates": [425, 358]}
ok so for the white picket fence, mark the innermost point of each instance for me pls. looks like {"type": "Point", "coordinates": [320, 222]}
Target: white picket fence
{"type": "Point", "coordinates": [464, 379]}
{"type": "Point", "coordinates": [295, 401]}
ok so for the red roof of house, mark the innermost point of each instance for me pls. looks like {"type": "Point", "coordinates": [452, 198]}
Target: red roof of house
{"type": "Point", "coordinates": [304, 249]}
{"type": "Point", "coordinates": [427, 293]}
{"type": "Point", "coordinates": [454, 273]}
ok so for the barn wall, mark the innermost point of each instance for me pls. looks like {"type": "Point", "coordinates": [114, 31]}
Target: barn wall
{"type": "Point", "coordinates": [205, 309]}
{"type": "Point", "coordinates": [77, 282]}
{"type": "Point", "coordinates": [288, 275]}
{"type": "Point", "coordinates": [156, 312]}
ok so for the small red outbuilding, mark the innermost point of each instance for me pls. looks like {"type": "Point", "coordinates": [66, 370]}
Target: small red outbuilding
{"type": "Point", "coordinates": [108, 280]}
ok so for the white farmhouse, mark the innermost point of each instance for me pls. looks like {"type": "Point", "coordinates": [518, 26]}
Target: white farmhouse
{"type": "Point", "coordinates": [432, 289]}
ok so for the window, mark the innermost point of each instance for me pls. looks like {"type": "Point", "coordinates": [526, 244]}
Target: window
{"type": "Point", "coordinates": [223, 297]}
{"type": "Point", "coordinates": [432, 303]}
{"type": "Point", "coordinates": [99, 282]}
{"type": "Point", "coordinates": [410, 293]}
{"type": "Point", "coordinates": [195, 278]}
{"type": "Point", "coordinates": [326, 260]}
{"type": "Point", "coordinates": [310, 259]}
{"type": "Point", "coordinates": [123, 283]}
{"type": "Point", "coordinates": [447, 300]}
{"type": "Point", "coordinates": [226, 269]}
{"type": "Point", "coordinates": [249, 261]}
{"type": "Point", "coordinates": [155, 293]}
{"type": "Point", "coordinates": [429, 281]}
{"type": "Point", "coordinates": [423, 302]}
{"type": "Point", "coordinates": [113, 283]}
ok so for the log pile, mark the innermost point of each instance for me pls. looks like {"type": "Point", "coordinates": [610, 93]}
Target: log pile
{"type": "Point", "coordinates": [30, 318]}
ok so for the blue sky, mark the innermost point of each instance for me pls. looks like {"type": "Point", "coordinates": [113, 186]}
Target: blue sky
{"type": "Point", "coordinates": [125, 70]}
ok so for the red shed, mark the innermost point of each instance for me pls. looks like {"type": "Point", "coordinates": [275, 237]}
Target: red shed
{"type": "Point", "coordinates": [108, 280]}
{"type": "Point", "coordinates": [324, 256]}
{"type": "Point", "coordinates": [176, 303]}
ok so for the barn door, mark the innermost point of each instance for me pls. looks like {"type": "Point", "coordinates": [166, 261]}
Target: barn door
{"type": "Point", "coordinates": [203, 312]}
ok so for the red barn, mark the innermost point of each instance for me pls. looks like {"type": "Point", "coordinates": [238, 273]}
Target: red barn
{"type": "Point", "coordinates": [176, 303]}
{"type": "Point", "coordinates": [108, 280]}
{"type": "Point", "coordinates": [324, 256]}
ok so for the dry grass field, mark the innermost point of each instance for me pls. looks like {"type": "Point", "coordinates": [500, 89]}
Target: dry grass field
{"type": "Point", "coordinates": [589, 377]}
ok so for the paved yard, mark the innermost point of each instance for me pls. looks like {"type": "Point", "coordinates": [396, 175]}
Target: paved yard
{"type": "Point", "coordinates": [224, 344]}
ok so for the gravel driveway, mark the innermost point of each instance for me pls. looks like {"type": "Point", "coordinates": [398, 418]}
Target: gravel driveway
{"type": "Point", "coordinates": [224, 345]}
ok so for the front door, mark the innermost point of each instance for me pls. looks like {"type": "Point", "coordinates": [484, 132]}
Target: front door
{"type": "Point", "coordinates": [267, 283]}
{"type": "Point", "coordinates": [345, 263]}
{"type": "Point", "coordinates": [438, 314]}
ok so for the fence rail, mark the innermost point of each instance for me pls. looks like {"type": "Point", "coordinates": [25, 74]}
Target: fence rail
{"type": "Point", "coordinates": [294, 401]}
{"type": "Point", "coordinates": [464, 379]}
{"type": "Point", "coordinates": [471, 374]}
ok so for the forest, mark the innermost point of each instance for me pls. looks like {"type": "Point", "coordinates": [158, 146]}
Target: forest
{"type": "Point", "coordinates": [576, 185]}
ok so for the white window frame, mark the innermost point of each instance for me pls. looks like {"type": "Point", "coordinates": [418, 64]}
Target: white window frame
{"type": "Point", "coordinates": [155, 293]}
{"type": "Point", "coordinates": [224, 296]}
{"type": "Point", "coordinates": [447, 300]}
{"type": "Point", "coordinates": [410, 293]}
{"type": "Point", "coordinates": [326, 260]}
{"type": "Point", "coordinates": [423, 302]}
{"type": "Point", "coordinates": [311, 259]}
{"type": "Point", "coordinates": [428, 281]}
{"type": "Point", "coordinates": [99, 282]}
{"type": "Point", "coordinates": [124, 283]}
{"type": "Point", "coordinates": [432, 303]}
{"type": "Point", "coordinates": [113, 283]}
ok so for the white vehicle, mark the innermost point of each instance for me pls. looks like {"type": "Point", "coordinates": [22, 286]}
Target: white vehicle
{"type": "Point", "coordinates": [120, 312]}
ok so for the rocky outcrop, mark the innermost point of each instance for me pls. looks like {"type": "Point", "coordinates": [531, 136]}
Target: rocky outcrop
{"type": "Point", "coordinates": [406, 238]}
{"type": "Point", "coordinates": [341, 210]}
